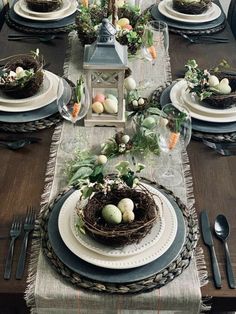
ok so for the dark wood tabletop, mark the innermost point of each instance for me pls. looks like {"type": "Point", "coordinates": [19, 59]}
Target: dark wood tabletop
{"type": "Point", "coordinates": [22, 172]}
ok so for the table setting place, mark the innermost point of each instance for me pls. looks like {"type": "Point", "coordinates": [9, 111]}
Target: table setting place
{"type": "Point", "coordinates": [198, 23]}
{"type": "Point", "coordinates": [42, 17]}
{"type": "Point", "coordinates": [117, 230]}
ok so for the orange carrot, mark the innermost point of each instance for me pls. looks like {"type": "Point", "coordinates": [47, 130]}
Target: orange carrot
{"type": "Point", "coordinates": [173, 140]}
{"type": "Point", "coordinates": [152, 52]}
{"type": "Point", "coordinates": [76, 110]}
{"type": "Point", "coordinates": [85, 3]}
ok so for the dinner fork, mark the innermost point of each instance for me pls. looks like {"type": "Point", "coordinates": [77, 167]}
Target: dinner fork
{"type": "Point", "coordinates": [14, 234]}
{"type": "Point", "coordinates": [202, 39]}
{"type": "Point", "coordinates": [225, 148]}
{"type": "Point", "coordinates": [28, 227]}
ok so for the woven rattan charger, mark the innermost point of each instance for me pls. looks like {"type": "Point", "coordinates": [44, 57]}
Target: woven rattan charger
{"type": "Point", "coordinates": [156, 281]}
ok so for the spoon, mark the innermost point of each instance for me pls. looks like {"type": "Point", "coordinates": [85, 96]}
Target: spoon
{"type": "Point", "coordinates": [222, 231]}
{"type": "Point", "coordinates": [17, 144]}
{"type": "Point", "coordinates": [44, 38]}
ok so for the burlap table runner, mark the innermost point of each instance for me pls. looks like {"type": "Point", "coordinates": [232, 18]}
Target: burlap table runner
{"type": "Point", "coordinates": [47, 292]}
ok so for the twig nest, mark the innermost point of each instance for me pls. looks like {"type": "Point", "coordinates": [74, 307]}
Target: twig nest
{"type": "Point", "coordinates": [191, 6]}
{"type": "Point", "coordinates": [103, 219]}
{"type": "Point", "coordinates": [22, 75]}
{"type": "Point", "coordinates": [124, 142]}
{"type": "Point", "coordinates": [43, 5]}
{"type": "Point", "coordinates": [126, 204]}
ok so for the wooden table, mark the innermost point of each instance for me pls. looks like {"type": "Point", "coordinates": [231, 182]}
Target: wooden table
{"type": "Point", "coordinates": [22, 172]}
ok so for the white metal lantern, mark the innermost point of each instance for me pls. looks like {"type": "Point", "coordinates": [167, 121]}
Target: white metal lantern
{"type": "Point", "coordinates": [105, 62]}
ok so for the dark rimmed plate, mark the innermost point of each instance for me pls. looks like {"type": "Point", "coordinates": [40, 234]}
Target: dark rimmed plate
{"type": "Point", "coordinates": [187, 26]}
{"type": "Point", "coordinates": [113, 275]}
{"type": "Point", "coordinates": [42, 25]}
{"type": "Point", "coordinates": [199, 125]}
{"type": "Point", "coordinates": [32, 115]}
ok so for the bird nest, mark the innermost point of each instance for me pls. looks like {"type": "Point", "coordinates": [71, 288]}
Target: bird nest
{"type": "Point", "coordinates": [25, 86]}
{"type": "Point", "coordinates": [89, 19]}
{"type": "Point", "coordinates": [223, 101]}
{"type": "Point", "coordinates": [43, 5]}
{"type": "Point", "coordinates": [145, 210]}
{"type": "Point", "coordinates": [193, 8]}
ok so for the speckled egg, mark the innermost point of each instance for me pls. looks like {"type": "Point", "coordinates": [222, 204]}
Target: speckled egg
{"type": "Point", "coordinates": [125, 204]}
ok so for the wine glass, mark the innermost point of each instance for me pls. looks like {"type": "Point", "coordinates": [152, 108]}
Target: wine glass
{"type": "Point", "coordinates": [155, 38]}
{"type": "Point", "coordinates": [174, 129]}
{"type": "Point", "coordinates": [72, 105]}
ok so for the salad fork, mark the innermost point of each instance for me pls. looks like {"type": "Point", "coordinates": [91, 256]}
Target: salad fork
{"type": "Point", "coordinates": [28, 227]}
{"type": "Point", "coordinates": [14, 234]}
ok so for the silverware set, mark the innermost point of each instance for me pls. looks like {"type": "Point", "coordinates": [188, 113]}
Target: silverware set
{"type": "Point", "coordinates": [15, 232]}
{"type": "Point", "coordinates": [224, 148]}
{"type": "Point", "coordinates": [221, 230]}
{"type": "Point", "coordinates": [204, 39]}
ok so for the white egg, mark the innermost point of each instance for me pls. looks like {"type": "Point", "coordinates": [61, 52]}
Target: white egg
{"type": "Point", "coordinates": [224, 89]}
{"type": "Point", "coordinates": [19, 69]}
{"type": "Point", "coordinates": [129, 83]}
{"type": "Point", "coordinates": [224, 81]}
{"type": "Point", "coordinates": [128, 216]}
{"type": "Point", "coordinates": [20, 74]}
{"type": "Point", "coordinates": [110, 106]}
{"type": "Point", "coordinates": [125, 139]}
{"type": "Point", "coordinates": [141, 101]}
{"type": "Point", "coordinates": [135, 103]}
{"type": "Point", "coordinates": [125, 204]}
{"type": "Point", "coordinates": [213, 80]}
{"type": "Point", "coordinates": [101, 159]}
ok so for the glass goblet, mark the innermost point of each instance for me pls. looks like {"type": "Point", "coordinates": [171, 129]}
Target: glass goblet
{"type": "Point", "coordinates": [72, 105]}
{"type": "Point", "coordinates": [174, 129]}
{"type": "Point", "coordinates": [155, 38]}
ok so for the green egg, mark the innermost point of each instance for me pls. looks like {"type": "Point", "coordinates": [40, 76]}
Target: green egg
{"type": "Point", "coordinates": [112, 214]}
{"type": "Point", "coordinates": [110, 96]}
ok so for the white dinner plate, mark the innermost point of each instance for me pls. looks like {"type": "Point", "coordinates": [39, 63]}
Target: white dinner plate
{"type": "Point", "coordinates": [177, 96]}
{"type": "Point", "coordinates": [46, 94]}
{"type": "Point", "coordinates": [149, 240]}
{"type": "Point", "coordinates": [27, 16]}
{"type": "Point", "coordinates": [173, 12]}
{"type": "Point", "coordinates": [58, 12]}
{"type": "Point", "coordinates": [215, 14]}
{"type": "Point", "coordinates": [118, 262]}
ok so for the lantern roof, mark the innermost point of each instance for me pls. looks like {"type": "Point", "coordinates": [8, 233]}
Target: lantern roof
{"type": "Point", "coordinates": [106, 52]}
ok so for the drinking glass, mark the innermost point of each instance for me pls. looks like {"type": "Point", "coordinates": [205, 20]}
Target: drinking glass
{"type": "Point", "coordinates": [174, 129]}
{"type": "Point", "coordinates": [155, 37]}
{"type": "Point", "coordinates": [72, 105]}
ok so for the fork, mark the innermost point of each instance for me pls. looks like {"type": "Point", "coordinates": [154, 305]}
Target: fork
{"type": "Point", "coordinates": [224, 148]}
{"type": "Point", "coordinates": [28, 227]}
{"type": "Point", "coordinates": [14, 234]}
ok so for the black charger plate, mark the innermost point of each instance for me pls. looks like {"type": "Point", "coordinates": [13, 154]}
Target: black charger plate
{"type": "Point", "coordinates": [100, 274]}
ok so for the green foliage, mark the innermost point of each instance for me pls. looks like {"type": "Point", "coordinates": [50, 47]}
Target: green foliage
{"type": "Point", "coordinates": [145, 142]}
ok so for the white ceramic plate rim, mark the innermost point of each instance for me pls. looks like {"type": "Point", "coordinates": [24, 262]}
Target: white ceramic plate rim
{"type": "Point", "coordinates": [173, 12]}
{"type": "Point", "coordinates": [115, 262]}
{"type": "Point", "coordinates": [213, 16]}
{"type": "Point", "coordinates": [37, 103]}
{"type": "Point", "coordinates": [177, 100]}
{"type": "Point", "coordinates": [68, 12]}
{"type": "Point", "coordinates": [132, 249]}
{"type": "Point", "coordinates": [65, 6]}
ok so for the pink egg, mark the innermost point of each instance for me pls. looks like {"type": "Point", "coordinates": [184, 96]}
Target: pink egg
{"type": "Point", "coordinates": [99, 98]}
{"type": "Point", "coordinates": [128, 27]}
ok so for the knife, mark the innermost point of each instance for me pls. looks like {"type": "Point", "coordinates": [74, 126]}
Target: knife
{"type": "Point", "coordinates": [207, 238]}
